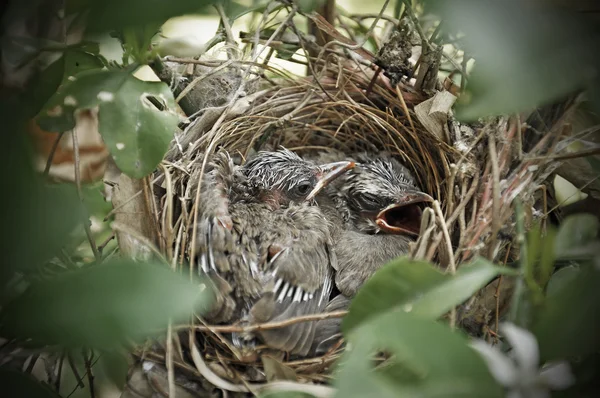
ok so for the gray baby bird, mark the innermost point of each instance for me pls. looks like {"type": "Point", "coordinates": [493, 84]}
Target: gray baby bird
{"type": "Point", "coordinates": [266, 245]}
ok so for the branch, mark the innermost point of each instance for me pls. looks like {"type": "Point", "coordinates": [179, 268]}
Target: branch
{"type": "Point", "coordinates": [266, 326]}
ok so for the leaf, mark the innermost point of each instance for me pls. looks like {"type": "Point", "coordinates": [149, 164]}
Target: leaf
{"type": "Point", "coordinates": [418, 287]}
{"type": "Point", "coordinates": [567, 325]}
{"type": "Point", "coordinates": [526, 54]}
{"type": "Point", "coordinates": [562, 278]}
{"type": "Point", "coordinates": [118, 14]}
{"type": "Point", "coordinates": [77, 61]}
{"type": "Point", "coordinates": [103, 305]}
{"type": "Point", "coordinates": [547, 257]}
{"type": "Point", "coordinates": [20, 384]}
{"type": "Point", "coordinates": [135, 131]}
{"type": "Point", "coordinates": [446, 365]}
{"type": "Point", "coordinates": [116, 366]}
{"type": "Point", "coordinates": [235, 10]}
{"type": "Point", "coordinates": [275, 370]}
{"type": "Point", "coordinates": [576, 231]}
{"type": "Point", "coordinates": [37, 219]}
{"type": "Point", "coordinates": [44, 85]}
{"type": "Point", "coordinates": [94, 199]}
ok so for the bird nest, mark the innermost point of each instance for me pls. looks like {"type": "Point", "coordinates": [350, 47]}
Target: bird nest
{"type": "Point", "coordinates": [473, 171]}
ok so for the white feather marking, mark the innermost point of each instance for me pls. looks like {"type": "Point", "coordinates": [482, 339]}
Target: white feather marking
{"type": "Point", "coordinates": [284, 290]}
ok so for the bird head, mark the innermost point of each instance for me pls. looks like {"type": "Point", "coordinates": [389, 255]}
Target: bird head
{"type": "Point", "coordinates": [282, 176]}
{"type": "Point", "coordinates": [382, 196]}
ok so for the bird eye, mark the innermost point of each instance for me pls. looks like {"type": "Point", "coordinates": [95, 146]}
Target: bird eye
{"type": "Point", "coordinates": [369, 201]}
{"type": "Point", "coordinates": [302, 189]}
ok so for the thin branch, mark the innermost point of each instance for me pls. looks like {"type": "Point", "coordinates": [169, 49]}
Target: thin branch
{"type": "Point", "coordinates": [52, 152]}
{"type": "Point", "coordinates": [86, 222]}
{"type": "Point", "coordinates": [572, 155]}
{"type": "Point", "coordinates": [495, 195]}
{"type": "Point", "coordinates": [88, 368]}
{"type": "Point", "coordinates": [226, 25]}
{"type": "Point", "coordinates": [268, 325]}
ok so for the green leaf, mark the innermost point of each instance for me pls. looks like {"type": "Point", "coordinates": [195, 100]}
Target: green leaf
{"type": "Point", "coordinates": [135, 131]}
{"type": "Point", "coordinates": [37, 219]}
{"type": "Point", "coordinates": [567, 325]}
{"type": "Point", "coordinates": [562, 278]}
{"type": "Point", "coordinates": [103, 305]}
{"type": "Point", "coordinates": [94, 199]}
{"type": "Point", "coordinates": [115, 365]}
{"type": "Point", "coordinates": [235, 10]}
{"type": "Point", "coordinates": [20, 384]}
{"type": "Point", "coordinates": [547, 256]}
{"type": "Point", "coordinates": [118, 14]}
{"type": "Point", "coordinates": [77, 61]}
{"type": "Point", "coordinates": [575, 232]}
{"type": "Point", "coordinates": [444, 364]}
{"type": "Point", "coordinates": [526, 55]}
{"type": "Point", "coordinates": [44, 85]}
{"type": "Point", "coordinates": [418, 287]}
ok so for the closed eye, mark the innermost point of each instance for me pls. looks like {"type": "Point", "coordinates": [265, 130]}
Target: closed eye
{"type": "Point", "coordinates": [368, 200]}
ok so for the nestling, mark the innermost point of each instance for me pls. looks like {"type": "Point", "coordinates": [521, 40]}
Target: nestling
{"type": "Point", "coordinates": [266, 245]}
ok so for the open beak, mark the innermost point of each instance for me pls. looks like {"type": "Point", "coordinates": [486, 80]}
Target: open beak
{"type": "Point", "coordinates": [404, 217]}
{"type": "Point", "coordinates": [330, 172]}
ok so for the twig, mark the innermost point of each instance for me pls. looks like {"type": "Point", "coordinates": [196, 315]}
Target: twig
{"type": "Point", "coordinates": [405, 109]}
{"type": "Point", "coordinates": [52, 152]}
{"type": "Point", "coordinates": [360, 17]}
{"type": "Point", "coordinates": [572, 155]}
{"type": "Point", "coordinates": [88, 368]}
{"type": "Point", "coordinates": [495, 195]}
{"type": "Point", "coordinates": [198, 79]}
{"type": "Point", "coordinates": [61, 363]}
{"type": "Point", "coordinates": [280, 386]}
{"type": "Point", "coordinates": [106, 242]}
{"type": "Point", "coordinates": [78, 378]}
{"type": "Point", "coordinates": [226, 25]}
{"type": "Point", "coordinates": [169, 361]}
{"type": "Point", "coordinates": [451, 263]}
{"type": "Point", "coordinates": [268, 325]}
{"type": "Point", "coordinates": [86, 222]}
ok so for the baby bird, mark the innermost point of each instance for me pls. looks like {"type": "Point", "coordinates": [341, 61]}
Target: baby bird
{"type": "Point", "coordinates": [376, 212]}
{"type": "Point", "coordinates": [266, 245]}
{"type": "Point", "coordinates": [380, 207]}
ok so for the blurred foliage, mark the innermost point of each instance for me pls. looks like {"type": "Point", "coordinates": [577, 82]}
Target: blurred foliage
{"type": "Point", "coordinates": [418, 287]}
{"type": "Point", "coordinates": [19, 384]}
{"type": "Point", "coordinates": [135, 131]}
{"type": "Point", "coordinates": [432, 360]}
{"type": "Point", "coordinates": [527, 54]}
{"type": "Point", "coordinates": [37, 217]}
{"type": "Point", "coordinates": [102, 306]}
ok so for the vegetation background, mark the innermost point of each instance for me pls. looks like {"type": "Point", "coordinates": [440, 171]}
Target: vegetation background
{"type": "Point", "coordinates": [71, 308]}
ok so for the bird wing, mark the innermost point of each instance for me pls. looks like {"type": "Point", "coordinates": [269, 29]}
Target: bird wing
{"type": "Point", "coordinates": [300, 259]}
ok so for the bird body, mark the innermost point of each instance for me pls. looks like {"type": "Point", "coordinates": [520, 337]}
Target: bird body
{"type": "Point", "coordinates": [265, 245]}
{"type": "Point", "coordinates": [375, 210]}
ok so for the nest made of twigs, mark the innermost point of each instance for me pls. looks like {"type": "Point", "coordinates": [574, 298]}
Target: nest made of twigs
{"type": "Point", "coordinates": [473, 172]}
